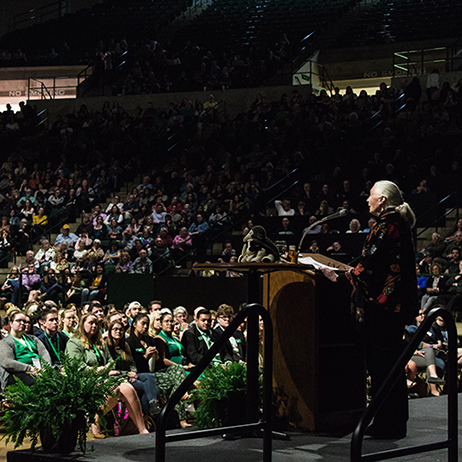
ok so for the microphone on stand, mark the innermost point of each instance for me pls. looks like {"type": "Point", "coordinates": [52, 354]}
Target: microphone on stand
{"type": "Point", "coordinates": [340, 213]}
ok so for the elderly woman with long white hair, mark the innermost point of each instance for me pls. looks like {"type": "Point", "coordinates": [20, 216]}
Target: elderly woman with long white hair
{"type": "Point", "coordinates": [385, 298]}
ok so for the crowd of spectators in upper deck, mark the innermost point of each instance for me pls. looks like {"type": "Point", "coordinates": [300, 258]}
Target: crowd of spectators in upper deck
{"type": "Point", "coordinates": [214, 183]}
{"type": "Point", "coordinates": [149, 66]}
{"type": "Point", "coordinates": [210, 183]}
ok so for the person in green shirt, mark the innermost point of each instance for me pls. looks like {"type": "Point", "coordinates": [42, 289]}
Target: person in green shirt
{"type": "Point", "coordinates": [21, 355]}
{"type": "Point", "coordinates": [175, 350]}
{"type": "Point", "coordinates": [150, 355]}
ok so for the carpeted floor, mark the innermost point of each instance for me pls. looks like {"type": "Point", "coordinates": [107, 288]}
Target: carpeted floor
{"type": "Point", "coordinates": [428, 423]}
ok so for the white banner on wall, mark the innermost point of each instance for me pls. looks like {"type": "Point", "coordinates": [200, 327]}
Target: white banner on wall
{"type": "Point", "coordinates": [14, 91]}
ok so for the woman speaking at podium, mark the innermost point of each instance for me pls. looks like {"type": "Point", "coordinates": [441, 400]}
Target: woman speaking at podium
{"type": "Point", "coordinates": [385, 299]}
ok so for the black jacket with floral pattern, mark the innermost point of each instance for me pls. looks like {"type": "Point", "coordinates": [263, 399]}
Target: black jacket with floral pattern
{"type": "Point", "coordinates": [384, 277]}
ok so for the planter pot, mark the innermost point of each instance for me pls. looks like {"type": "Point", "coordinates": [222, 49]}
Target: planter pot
{"type": "Point", "coordinates": [235, 410]}
{"type": "Point", "coordinates": [67, 441]}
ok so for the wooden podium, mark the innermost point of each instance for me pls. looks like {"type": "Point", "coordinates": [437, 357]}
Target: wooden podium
{"type": "Point", "coordinates": [319, 372]}
{"type": "Point", "coordinates": [318, 369]}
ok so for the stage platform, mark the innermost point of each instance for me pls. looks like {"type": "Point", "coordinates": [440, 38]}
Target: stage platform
{"type": "Point", "coordinates": [428, 423]}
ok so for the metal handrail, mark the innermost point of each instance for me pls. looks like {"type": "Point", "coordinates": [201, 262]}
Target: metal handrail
{"type": "Point", "coordinates": [439, 203]}
{"type": "Point", "coordinates": [448, 212]}
{"type": "Point", "coordinates": [380, 111]}
{"type": "Point", "coordinates": [188, 12]}
{"type": "Point", "coordinates": [40, 13]}
{"type": "Point", "coordinates": [83, 74]}
{"type": "Point", "coordinates": [437, 220]}
{"type": "Point", "coordinates": [322, 35]}
{"type": "Point", "coordinates": [214, 109]}
{"type": "Point", "coordinates": [420, 60]}
{"type": "Point", "coordinates": [43, 88]}
{"type": "Point", "coordinates": [44, 121]}
{"type": "Point", "coordinates": [118, 63]}
{"type": "Point", "coordinates": [324, 77]}
{"type": "Point", "coordinates": [327, 80]}
{"type": "Point", "coordinates": [451, 379]}
{"type": "Point", "coordinates": [377, 113]}
{"type": "Point", "coordinates": [49, 230]}
{"type": "Point", "coordinates": [11, 253]}
{"type": "Point", "coordinates": [214, 112]}
{"type": "Point", "coordinates": [264, 424]}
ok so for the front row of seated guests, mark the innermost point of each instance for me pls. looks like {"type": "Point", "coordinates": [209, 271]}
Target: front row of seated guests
{"type": "Point", "coordinates": [149, 363]}
{"type": "Point", "coordinates": [143, 382]}
{"type": "Point", "coordinates": [199, 338]}
{"type": "Point", "coordinates": [22, 355]}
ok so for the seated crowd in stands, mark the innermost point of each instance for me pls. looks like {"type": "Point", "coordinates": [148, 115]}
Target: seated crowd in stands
{"type": "Point", "coordinates": [439, 266]}
{"type": "Point", "coordinates": [439, 281]}
{"type": "Point", "coordinates": [208, 191]}
{"type": "Point", "coordinates": [153, 346]}
{"type": "Point", "coordinates": [199, 190]}
{"type": "Point", "coordinates": [211, 188]}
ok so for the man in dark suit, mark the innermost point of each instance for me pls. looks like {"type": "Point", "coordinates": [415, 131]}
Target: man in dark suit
{"type": "Point", "coordinates": [235, 347]}
{"type": "Point", "coordinates": [199, 338]}
{"type": "Point", "coordinates": [54, 341]}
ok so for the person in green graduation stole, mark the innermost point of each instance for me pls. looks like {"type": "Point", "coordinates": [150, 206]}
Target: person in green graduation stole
{"type": "Point", "coordinates": [87, 345]}
{"type": "Point", "coordinates": [175, 350]}
{"type": "Point", "coordinates": [153, 355]}
{"type": "Point", "coordinates": [21, 355]}
{"type": "Point", "coordinates": [68, 320]}
{"type": "Point", "coordinates": [55, 342]}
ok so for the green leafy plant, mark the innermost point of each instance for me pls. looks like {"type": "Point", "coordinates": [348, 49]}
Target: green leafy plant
{"type": "Point", "coordinates": [221, 393]}
{"type": "Point", "coordinates": [57, 398]}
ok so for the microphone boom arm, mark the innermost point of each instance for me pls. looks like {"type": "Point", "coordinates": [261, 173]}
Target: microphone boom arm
{"type": "Point", "coordinates": [338, 214]}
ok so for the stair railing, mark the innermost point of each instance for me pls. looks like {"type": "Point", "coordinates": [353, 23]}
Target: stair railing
{"type": "Point", "coordinates": [265, 424]}
{"type": "Point", "coordinates": [398, 370]}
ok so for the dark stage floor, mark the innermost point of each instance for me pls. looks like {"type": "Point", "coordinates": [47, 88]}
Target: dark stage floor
{"type": "Point", "coordinates": [428, 423]}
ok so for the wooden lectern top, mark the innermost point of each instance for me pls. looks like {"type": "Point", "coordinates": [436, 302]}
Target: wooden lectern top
{"type": "Point", "coordinates": [277, 266]}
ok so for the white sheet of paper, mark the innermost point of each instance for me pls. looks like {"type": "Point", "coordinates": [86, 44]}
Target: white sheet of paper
{"type": "Point", "coordinates": [313, 262]}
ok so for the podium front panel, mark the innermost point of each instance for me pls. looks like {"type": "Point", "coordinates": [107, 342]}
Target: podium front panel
{"type": "Point", "coordinates": [319, 374]}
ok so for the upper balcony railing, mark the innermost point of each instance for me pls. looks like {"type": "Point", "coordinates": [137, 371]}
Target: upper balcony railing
{"type": "Point", "coordinates": [39, 15]}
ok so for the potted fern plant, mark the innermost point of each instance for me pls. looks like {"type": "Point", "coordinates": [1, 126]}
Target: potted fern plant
{"type": "Point", "coordinates": [58, 408]}
{"type": "Point", "coordinates": [222, 396]}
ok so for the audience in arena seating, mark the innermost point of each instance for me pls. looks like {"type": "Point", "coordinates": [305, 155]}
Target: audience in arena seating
{"type": "Point", "coordinates": [214, 191]}
{"type": "Point", "coordinates": [224, 188]}
{"type": "Point", "coordinates": [122, 198]}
